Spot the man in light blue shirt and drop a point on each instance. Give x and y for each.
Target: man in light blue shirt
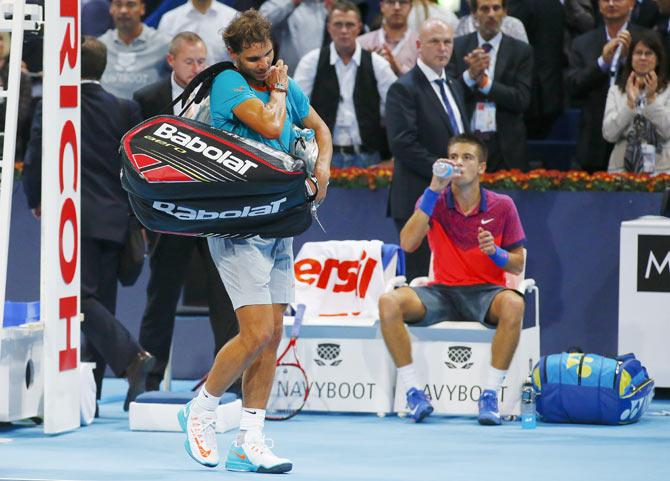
(259, 101)
(135, 52)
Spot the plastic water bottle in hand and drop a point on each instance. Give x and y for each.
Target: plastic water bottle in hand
(445, 170)
(528, 415)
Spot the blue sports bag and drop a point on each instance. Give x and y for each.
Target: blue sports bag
(592, 389)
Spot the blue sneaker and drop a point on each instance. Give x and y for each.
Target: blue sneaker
(418, 404)
(200, 432)
(488, 408)
(253, 454)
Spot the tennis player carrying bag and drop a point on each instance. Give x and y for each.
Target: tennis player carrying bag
(588, 388)
(186, 177)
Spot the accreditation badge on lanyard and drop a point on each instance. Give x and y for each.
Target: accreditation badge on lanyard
(485, 117)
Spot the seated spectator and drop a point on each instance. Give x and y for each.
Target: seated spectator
(637, 113)
(497, 71)
(206, 18)
(298, 26)
(592, 70)
(25, 100)
(470, 260)
(347, 87)
(510, 26)
(135, 52)
(394, 41)
(425, 9)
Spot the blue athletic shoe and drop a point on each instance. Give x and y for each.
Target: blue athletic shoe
(253, 454)
(488, 408)
(418, 404)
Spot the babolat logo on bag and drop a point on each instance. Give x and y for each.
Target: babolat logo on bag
(184, 213)
(593, 389)
(198, 145)
(653, 263)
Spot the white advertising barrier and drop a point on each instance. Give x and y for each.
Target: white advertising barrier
(348, 368)
(61, 183)
(644, 294)
(340, 347)
(21, 372)
(452, 358)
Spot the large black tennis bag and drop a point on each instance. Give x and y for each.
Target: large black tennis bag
(186, 177)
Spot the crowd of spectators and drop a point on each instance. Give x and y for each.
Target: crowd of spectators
(574, 61)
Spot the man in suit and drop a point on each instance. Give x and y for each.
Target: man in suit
(104, 220)
(593, 68)
(544, 21)
(424, 109)
(170, 254)
(497, 72)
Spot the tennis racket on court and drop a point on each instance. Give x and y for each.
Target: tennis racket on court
(290, 386)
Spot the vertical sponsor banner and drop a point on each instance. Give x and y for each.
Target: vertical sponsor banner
(60, 250)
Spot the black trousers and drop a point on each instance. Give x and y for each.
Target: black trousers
(417, 264)
(169, 261)
(108, 342)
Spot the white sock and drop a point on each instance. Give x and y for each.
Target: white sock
(252, 421)
(407, 377)
(205, 401)
(494, 379)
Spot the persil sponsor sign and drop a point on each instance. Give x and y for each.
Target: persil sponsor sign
(340, 279)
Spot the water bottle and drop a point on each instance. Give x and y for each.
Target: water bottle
(528, 416)
(445, 170)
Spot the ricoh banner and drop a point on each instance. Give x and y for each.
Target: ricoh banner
(60, 269)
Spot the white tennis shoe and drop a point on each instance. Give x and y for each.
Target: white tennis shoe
(254, 454)
(200, 432)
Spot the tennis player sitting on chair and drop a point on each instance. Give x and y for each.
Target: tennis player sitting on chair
(475, 236)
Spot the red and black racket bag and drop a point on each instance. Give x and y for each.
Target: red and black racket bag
(185, 177)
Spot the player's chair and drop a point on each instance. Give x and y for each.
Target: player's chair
(340, 344)
(453, 358)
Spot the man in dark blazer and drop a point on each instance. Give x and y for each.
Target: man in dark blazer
(497, 72)
(424, 109)
(171, 255)
(544, 21)
(104, 220)
(590, 74)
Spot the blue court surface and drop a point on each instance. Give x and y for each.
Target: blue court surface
(351, 447)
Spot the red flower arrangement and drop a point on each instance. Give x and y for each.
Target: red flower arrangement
(537, 180)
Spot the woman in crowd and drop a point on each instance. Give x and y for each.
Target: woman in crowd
(636, 114)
